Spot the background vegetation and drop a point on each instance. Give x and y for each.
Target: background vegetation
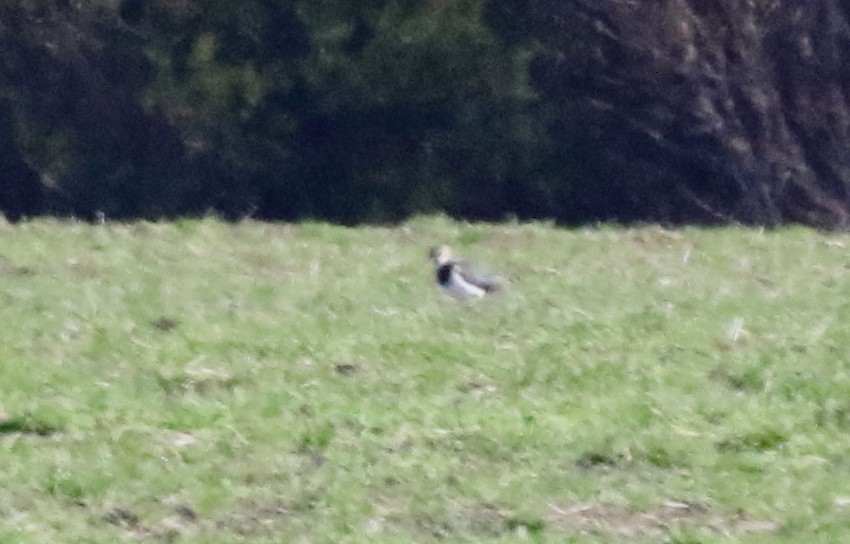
(678, 110)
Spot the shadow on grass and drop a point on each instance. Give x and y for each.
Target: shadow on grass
(761, 440)
(27, 424)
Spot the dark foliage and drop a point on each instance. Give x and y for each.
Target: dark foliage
(726, 109)
(581, 110)
(21, 191)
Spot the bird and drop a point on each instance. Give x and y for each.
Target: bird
(460, 278)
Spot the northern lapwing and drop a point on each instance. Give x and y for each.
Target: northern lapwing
(461, 279)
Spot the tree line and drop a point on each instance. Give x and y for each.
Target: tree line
(578, 110)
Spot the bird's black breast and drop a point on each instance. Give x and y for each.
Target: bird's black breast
(444, 272)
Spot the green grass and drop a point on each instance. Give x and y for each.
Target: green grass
(200, 381)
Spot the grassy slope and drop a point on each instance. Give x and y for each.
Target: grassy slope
(218, 383)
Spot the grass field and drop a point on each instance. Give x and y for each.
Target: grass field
(200, 381)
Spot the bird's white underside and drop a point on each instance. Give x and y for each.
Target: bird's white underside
(460, 288)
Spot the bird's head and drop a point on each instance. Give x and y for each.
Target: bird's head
(440, 255)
